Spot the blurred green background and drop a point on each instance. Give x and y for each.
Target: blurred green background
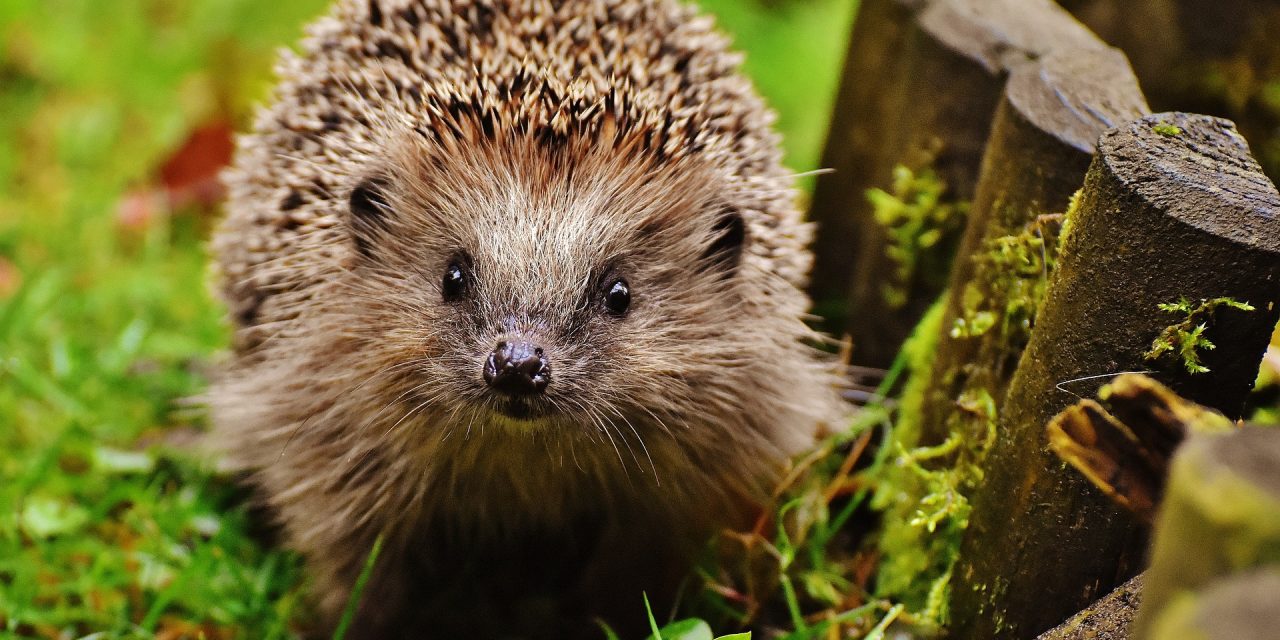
(113, 115)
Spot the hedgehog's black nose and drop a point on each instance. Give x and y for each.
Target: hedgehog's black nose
(517, 368)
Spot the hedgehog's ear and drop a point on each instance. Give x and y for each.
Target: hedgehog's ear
(369, 212)
(728, 237)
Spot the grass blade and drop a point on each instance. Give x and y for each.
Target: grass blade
(354, 600)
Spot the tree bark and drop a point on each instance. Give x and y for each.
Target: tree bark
(1173, 207)
(1041, 143)
(919, 90)
(1220, 516)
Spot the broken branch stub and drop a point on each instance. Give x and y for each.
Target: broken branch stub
(919, 91)
(1124, 444)
(1173, 210)
(1042, 140)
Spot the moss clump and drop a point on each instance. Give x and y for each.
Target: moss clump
(926, 513)
(1166, 129)
(1012, 273)
(917, 355)
(1186, 339)
(920, 224)
(923, 502)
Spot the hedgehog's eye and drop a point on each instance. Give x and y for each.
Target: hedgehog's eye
(617, 298)
(454, 283)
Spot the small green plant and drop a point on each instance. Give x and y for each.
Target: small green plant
(1015, 272)
(1186, 339)
(917, 219)
(353, 601)
(1166, 129)
(688, 629)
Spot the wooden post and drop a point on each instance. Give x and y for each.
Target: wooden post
(919, 90)
(1042, 140)
(1173, 207)
(1220, 516)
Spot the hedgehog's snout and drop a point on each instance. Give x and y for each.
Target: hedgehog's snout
(517, 369)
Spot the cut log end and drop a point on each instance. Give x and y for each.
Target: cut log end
(1075, 95)
(1198, 170)
(1002, 34)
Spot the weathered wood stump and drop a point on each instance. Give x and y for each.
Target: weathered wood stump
(1220, 516)
(1174, 212)
(1042, 140)
(919, 91)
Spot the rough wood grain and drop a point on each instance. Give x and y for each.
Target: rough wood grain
(1110, 618)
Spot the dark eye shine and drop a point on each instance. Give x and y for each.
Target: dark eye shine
(618, 298)
(454, 284)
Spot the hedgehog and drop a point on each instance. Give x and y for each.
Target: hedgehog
(517, 293)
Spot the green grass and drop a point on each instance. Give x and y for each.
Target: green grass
(105, 525)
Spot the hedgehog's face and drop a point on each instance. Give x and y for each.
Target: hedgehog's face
(545, 292)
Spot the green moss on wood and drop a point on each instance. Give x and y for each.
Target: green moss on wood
(1016, 271)
(917, 219)
(917, 541)
(922, 491)
(1185, 340)
(923, 494)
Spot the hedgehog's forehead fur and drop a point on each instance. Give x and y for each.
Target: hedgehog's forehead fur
(539, 224)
